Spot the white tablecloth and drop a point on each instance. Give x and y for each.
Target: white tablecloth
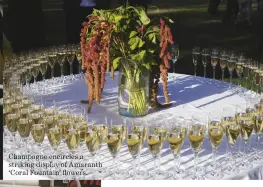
(193, 95)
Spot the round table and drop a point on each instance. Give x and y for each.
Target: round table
(188, 95)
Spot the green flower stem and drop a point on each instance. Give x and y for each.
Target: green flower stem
(137, 92)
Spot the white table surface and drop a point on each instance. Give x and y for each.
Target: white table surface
(193, 95)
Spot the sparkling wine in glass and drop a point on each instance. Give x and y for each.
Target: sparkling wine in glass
(196, 137)
(231, 64)
(196, 56)
(71, 55)
(206, 58)
(157, 134)
(215, 133)
(214, 60)
(174, 53)
(52, 58)
(176, 137)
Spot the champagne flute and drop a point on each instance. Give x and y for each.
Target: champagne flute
(257, 73)
(38, 134)
(196, 137)
(52, 61)
(205, 59)
(43, 70)
(232, 133)
(93, 142)
(120, 128)
(175, 54)
(71, 57)
(102, 130)
(35, 71)
(176, 138)
(258, 128)
(140, 127)
(239, 70)
(54, 138)
(79, 58)
(62, 58)
(12, 123)
(228, 118)
(134, 143)
(195, 56)
(231, 63)
(246, 122)
(28, 77)
(214, 61)
(156, 138)
(246, 66)
(216, 133)
(114, 142)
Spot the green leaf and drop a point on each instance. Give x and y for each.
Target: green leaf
(139, 57)
(142, 14)
(116, 62)
(117, 18)
(141, 43)
(151, 51)
(171, 21)
(147, 66)
(132, 34)
(154, 39)
(134, 42)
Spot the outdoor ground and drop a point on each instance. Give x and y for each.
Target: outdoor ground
(195, 27)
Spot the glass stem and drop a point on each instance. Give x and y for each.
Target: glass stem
(177, 162)
(245, 153)
(14, 139)
(79, 66)
(52, 72)
(195, 163)
(257, 148)
(134, 166)
(214, 159)
(35, 80)
(223, 74)
(204, 71)
(61, 72)
(158, 162)
(195, 70)
(26, 147)
(233, 163)
(214, 73)
(230, 80)
(71, 69)
(239, 82)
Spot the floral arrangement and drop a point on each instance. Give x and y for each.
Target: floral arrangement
(126, 38)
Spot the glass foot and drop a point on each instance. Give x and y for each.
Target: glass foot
(102, 173)
(200, 170)
(159, 174)
(195, 177)
(245, 166)
(231, 170)
(178, 174)
(215, 175)
(210, 166)
(120, 174)
(139, 175)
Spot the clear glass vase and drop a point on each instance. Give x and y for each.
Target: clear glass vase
(133, 96)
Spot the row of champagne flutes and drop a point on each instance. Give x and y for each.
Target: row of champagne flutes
(30, 64)
(60, 124)
(245, 67)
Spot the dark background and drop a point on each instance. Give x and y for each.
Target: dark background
(37, 23)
